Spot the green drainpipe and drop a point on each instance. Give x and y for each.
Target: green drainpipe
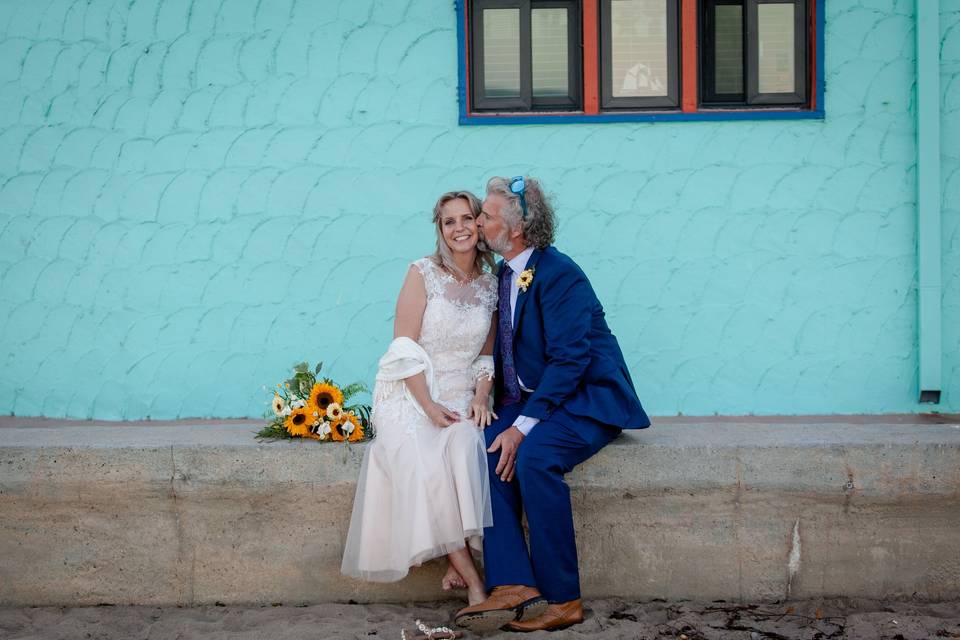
(928, 198)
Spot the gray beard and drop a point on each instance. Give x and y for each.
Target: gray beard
(499, 244)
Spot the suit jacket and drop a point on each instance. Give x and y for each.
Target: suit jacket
(564, 351)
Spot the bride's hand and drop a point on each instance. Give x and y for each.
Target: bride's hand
(441, 416)
(480, 412)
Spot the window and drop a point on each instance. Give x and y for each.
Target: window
(639, 54)
(526, 61)
(526, 54)
(753, 52)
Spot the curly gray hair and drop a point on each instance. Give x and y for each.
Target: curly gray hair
(540, 225)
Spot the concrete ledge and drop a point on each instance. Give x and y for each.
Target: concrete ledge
(199, 512)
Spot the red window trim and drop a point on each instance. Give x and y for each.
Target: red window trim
(591, 57)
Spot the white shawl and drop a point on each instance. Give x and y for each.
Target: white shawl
(405, 358)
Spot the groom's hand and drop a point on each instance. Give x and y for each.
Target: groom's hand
(507, 442)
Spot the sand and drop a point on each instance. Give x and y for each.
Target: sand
(606, 620)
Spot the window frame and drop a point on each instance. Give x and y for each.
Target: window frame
(672, 100)
(526, 100)
(480, 101)
(574, 98)
(751, 98)
(690, 109)
(706, 74)
(801, 76)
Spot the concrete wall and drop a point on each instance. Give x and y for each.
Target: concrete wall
(200, 514)
(194, 195)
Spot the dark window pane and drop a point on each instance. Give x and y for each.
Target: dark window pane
(639, 48)
(501, 53)
(728, 49)
(776, 62)
(550, 54)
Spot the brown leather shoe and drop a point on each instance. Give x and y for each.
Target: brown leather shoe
(558, 615)
(509, 603)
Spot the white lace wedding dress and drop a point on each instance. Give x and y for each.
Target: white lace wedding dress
(423, 490)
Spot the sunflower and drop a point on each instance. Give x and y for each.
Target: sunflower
(336, 434)
(525, 279)
(322, 395)
(297, 423)
(334, 412)
(348, 428)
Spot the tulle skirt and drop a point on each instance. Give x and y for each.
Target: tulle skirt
(422, 493)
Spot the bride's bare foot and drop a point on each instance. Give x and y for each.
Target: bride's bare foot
(453, 580)
(476, 596)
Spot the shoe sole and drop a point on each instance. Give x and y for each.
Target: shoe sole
(559, 627)
(494, 619)
(533, 608)
(486, 620)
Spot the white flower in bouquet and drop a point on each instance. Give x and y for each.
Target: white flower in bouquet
(324, 430)
(334, 411)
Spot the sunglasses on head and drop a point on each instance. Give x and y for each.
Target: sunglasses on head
(518, 187)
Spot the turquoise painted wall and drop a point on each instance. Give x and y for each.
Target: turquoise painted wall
(196, 195)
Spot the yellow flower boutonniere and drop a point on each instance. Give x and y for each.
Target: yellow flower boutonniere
(525, 279)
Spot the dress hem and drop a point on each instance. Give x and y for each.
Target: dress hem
(475, 538)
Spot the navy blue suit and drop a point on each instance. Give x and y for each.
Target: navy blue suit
(582, 395)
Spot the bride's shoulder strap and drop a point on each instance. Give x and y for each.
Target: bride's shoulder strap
(428, 269)
(422, 264)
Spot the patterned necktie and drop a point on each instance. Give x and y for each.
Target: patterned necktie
(511, 386)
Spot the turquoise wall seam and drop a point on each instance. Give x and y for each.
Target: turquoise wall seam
(928, 199)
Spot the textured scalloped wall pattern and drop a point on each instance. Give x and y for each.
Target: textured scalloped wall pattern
(194, 195)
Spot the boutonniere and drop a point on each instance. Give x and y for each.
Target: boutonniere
(525, 279)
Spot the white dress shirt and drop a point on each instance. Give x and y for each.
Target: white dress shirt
(517, 265)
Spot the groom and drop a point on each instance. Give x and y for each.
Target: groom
(562, 393)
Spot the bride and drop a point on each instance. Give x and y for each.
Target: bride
(423, 489)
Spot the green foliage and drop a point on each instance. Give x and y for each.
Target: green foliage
(273, 431)
(353, 389)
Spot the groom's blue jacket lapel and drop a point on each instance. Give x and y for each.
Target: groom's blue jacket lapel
(523, 296)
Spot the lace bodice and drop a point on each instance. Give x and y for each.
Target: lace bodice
(455, 324)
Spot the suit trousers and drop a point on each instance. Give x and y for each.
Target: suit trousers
(538, 489)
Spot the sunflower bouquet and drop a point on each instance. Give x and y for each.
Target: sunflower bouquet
(307, 406)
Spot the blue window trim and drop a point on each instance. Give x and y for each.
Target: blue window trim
(668, 116)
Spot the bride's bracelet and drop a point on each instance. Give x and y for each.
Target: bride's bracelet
(483, 368)
(484, 374)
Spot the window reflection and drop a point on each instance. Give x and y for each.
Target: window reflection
(549, 49)
(501, 53)
(639, 48)
(775, 29)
